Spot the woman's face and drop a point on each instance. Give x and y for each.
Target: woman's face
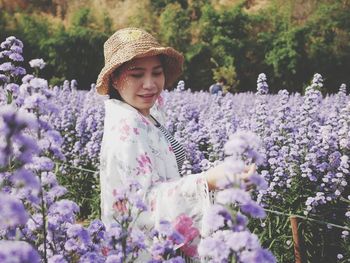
(140, 81)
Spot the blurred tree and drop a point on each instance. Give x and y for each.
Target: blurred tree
(328, 43)
(76, 53)
(225, 32)
(159, 5)
(144, 17)
(197, 71)
(174, 27)
(286, 55)
(82, 18)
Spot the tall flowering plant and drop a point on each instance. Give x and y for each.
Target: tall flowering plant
(228, 239)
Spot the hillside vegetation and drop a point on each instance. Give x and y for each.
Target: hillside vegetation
(288, 40)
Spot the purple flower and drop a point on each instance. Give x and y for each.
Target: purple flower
(138, 238)
(253, 209)
(118, 258)
(257, 256)
(317, 80)
(17, 48)
(57, 259)
(27, 78)
(42, 163)
(4, 78)
(16, 57)
(34, 101)
(6, 67)
(215, 246)
(25, 178)
(165, 228)
(213, 219)
(91, 257)
(233, 195)
(12, 212)
(244, 142)
(18, 71)
(38, 83)
(12, 87)
(66, 209)
(18, 251)
(79, 238)
(263, 87)
(175, 260)
(96, 226)
(238, 241)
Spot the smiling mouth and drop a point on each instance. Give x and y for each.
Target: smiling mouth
(147, 95)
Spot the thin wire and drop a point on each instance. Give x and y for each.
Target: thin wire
(78, 168)
(307, 218)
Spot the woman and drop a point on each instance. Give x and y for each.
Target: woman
(135, 145)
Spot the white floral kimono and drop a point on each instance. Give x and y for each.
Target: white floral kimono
(132, 147)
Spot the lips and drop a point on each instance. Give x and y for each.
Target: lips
(147, 95)
(147, 98)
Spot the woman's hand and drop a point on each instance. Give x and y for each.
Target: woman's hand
(218, 174)
(248, 171)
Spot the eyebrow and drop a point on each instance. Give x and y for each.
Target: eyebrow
(141, 68)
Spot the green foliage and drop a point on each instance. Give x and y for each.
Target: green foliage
(224, 31)
(159, 5)
(144, 18)
(65, 46)
(287, 40)
(60, 47)
(197, 72)
(174, 26)
(82, 18)
(83, 188)
(229, 73)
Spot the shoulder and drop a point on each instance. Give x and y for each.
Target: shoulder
(121, 117)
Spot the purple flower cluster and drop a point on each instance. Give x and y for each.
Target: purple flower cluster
(10, 59)
(227, 237)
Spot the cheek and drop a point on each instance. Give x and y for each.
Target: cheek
(162, 82)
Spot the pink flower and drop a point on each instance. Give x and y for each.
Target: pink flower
(144, 164)
(189, 250)
(105, 251)
(183, 224)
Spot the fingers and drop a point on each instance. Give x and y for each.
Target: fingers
(249, 171)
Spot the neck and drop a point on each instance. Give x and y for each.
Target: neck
(145, 113)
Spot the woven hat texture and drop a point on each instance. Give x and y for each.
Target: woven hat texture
(129, 43)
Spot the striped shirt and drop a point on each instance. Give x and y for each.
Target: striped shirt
(175, 145)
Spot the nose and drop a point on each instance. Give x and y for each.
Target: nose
(149, 82)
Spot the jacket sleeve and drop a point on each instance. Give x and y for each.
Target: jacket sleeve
(127, 153)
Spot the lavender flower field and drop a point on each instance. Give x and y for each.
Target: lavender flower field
(49, 144)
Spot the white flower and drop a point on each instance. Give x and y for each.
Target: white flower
(37, 63)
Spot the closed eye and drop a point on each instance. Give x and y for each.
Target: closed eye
(158, 73)
(138, 75)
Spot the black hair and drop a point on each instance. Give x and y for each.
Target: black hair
(223, 80)
(113, 93)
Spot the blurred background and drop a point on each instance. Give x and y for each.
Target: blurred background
(287, 40)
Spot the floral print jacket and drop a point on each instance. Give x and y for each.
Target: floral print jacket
(133, 148)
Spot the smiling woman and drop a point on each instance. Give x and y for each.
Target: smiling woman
(140, 82)
(136, 148)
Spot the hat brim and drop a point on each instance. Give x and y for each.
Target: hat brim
(173, 61)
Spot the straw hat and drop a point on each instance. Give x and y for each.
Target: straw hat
(129, 43)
